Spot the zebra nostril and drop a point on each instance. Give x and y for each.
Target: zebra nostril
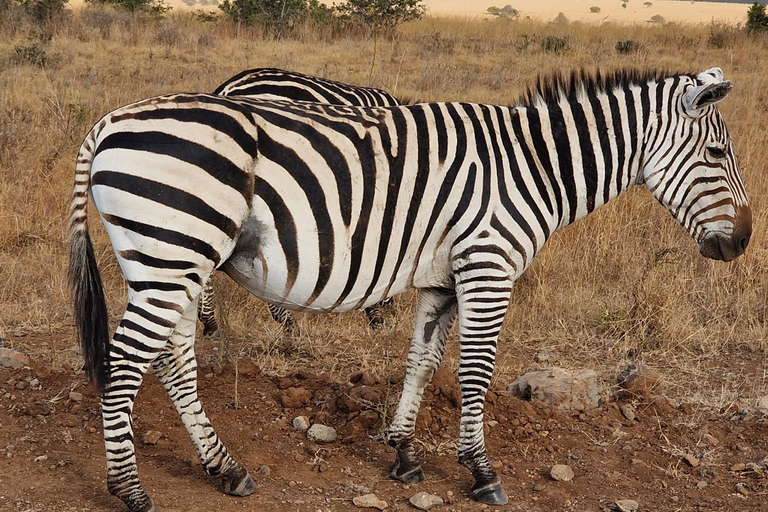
(744, 242)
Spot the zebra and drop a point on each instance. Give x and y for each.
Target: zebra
(277, 84)
(330, 208)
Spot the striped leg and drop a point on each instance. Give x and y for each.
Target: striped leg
(206, 312)
(282, 316)
(482, 305)
(373, 313)
(139, 338)
(176, 368)
(435, 314)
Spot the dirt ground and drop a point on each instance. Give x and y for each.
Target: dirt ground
(669, 457)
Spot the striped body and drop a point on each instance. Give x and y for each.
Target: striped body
(329, 208)
(278, 84)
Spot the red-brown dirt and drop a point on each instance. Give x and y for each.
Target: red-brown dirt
(670, 457)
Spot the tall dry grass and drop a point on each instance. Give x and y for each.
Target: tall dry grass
(624, 284)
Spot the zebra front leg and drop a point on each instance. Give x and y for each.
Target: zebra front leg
(435, 314)
(176, 367)
(482, 306)
(206, 312)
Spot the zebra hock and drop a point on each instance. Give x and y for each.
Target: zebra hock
(327, 208)
(279, 84)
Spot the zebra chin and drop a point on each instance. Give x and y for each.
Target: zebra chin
(720, 246)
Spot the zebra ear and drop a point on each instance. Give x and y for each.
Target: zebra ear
(711, 89)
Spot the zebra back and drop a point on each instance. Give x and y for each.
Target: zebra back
(271, 83)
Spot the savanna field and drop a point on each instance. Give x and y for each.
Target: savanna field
(625, 285)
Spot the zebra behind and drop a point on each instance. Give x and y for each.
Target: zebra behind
(329, 208)
(279, 84)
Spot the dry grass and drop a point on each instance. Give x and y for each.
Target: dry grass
(624, 284)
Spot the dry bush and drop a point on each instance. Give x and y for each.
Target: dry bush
(625, 283)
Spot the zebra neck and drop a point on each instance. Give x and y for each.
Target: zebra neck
(581, 154)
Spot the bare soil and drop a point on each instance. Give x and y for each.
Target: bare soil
(670, 457)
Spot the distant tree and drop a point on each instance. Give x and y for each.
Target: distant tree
(43, 12)
(757, 19)
(506, 12)
(595, 9)
(277, 16)
(381, 16)
(156, 7)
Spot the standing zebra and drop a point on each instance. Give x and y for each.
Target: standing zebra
(279, 84)
(327, 208)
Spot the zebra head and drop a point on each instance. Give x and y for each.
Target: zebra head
(690, 166)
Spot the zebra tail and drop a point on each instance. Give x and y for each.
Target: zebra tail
(91, 318)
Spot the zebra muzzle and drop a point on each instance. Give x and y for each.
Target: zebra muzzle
(720, 246)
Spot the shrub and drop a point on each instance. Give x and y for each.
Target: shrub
(627, 47)
(35, 53)
(595, 9)
(155, 7)
(560, 18)
(657, 18)
(757, 19)
(44, 12)
(506, 12)
(721, 35)
(381, 15)
(555, 44)
(277, 16)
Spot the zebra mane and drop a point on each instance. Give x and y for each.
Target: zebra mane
(559, 86)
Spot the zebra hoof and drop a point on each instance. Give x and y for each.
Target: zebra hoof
(212, 335)
(412, 476)
(236, 483)
(491, 494)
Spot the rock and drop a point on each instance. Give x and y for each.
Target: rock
(742, 489)
(568, 390)
(364, 378)
(265, 470)
(639, 379)
(691, 460)
(739, 466)
(628, 411)
(539, 487)
(41, 458)
(152, 437)
(22, 384)
(76, 396)
(13, 358)
(301, 423)
(561, 473)
(425, 501)
(369, 501)
(37, 409)
(627, 505)
(295, 397)
(709, 440)
(318, 433)
(701, 484)
(247, 368)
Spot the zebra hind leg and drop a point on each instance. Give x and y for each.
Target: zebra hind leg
(282, 316)
(373, 313)
(176, 367)
(435, 314)
(206, 313)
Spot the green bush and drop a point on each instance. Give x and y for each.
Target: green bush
(155, 7)
(381, 15)
(44, 12)
(757, 19)
(277, 16)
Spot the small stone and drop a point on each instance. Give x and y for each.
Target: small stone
(568, 390)
(369, 501)
(75, 396)
(709, 440)
(318, 433)
(21, 385)
(701, 484)
(13, 358)
(539, 487)
(497, 465)
(425, 501)
(638, 379)
(691, 460)
(38, 409)
(628, 412)
(152, 437)
(627, 505)
(265, 470)
(742, 489)
(41, 458)
(301, 423)
(561, 473)
(247, 368)
(739, 466)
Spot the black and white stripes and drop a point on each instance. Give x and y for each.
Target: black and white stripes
(328, 208)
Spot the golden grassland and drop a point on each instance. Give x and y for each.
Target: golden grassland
(624, 284)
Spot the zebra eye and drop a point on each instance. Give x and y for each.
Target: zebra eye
(715, 152)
